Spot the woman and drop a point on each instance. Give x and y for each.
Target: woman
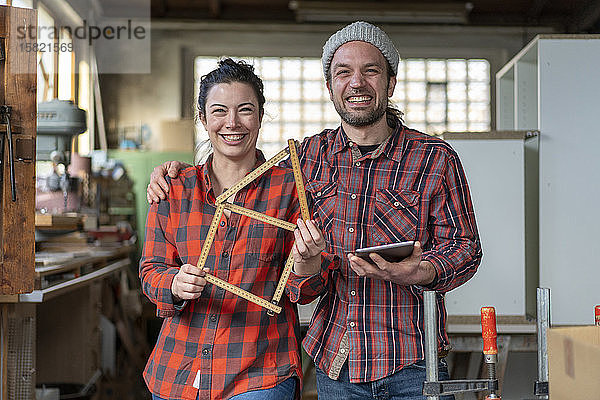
(214, 344)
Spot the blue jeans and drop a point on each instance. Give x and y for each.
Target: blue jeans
(284, 391)
(406, 384)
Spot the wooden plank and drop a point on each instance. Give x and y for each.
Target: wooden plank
(57, 221)
(18, 80)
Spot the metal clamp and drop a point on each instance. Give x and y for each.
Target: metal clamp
(459, 386)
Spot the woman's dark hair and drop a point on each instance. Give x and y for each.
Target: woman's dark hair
(230, 71)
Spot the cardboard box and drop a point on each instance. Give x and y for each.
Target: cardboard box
(175, 135)
(574, 363)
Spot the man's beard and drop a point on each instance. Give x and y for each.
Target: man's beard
(358, 119)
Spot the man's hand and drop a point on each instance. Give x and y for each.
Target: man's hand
(307, 248)
(188, 283)
(410, 271)
(158, 188)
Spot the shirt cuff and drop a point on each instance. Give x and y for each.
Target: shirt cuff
(165, 305)
(440, 270)
(301, 285)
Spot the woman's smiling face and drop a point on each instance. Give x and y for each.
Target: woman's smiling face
(232, 119)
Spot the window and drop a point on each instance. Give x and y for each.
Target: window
(45, 70)
(66, 61)
(436, 95)
(439, 95)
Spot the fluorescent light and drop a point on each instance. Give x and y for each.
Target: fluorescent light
(422, 13)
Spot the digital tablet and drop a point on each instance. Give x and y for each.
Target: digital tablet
(392, 252)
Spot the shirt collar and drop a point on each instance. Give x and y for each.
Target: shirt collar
(392, 147)
(205, 176)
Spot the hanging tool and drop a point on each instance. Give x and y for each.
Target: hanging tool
(433, 388)
(5, 116)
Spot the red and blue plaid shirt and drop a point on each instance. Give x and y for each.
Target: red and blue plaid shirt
(412, 187)
(233, 343)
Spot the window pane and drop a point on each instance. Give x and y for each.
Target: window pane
(478, 112)
(436, 71)
(292, 130)
(457, 70)
(436, 112)
(415, 91)
(65, 69)
(399, 92)
(313, 70)
(457, 91)
(436, 92)
(291, 68)
(290, 111)
(479, 70)
(271, 68)
(479, 92)
(291, 90)
(272, 90)
(312, 90)
(313, 112)
(270, 132)
(457, 112)
(415, 70)
(415, 112)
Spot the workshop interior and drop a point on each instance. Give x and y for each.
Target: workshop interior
(94, 94)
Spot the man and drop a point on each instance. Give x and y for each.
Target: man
(374, 181)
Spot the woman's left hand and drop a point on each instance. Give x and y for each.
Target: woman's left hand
(307, 248)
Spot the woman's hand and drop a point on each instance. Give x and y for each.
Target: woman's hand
(307, 248)
(188, 283)
(158, 188)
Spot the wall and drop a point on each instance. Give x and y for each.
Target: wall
(166, 93)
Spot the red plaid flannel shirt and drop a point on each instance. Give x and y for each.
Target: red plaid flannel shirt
(234, 344)
(412, 187)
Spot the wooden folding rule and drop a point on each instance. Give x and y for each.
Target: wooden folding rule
(222, 205)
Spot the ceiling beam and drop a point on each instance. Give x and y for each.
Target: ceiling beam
(536, 9)
(214, 8)
(586, 17)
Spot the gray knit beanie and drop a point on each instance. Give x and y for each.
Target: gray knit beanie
(364, 32)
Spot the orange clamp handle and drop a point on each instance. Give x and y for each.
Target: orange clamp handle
(597, 313)
(488, 330)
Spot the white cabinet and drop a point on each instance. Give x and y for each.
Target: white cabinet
(501, 169)
(553, 85)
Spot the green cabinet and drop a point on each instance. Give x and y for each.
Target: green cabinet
(139, 165)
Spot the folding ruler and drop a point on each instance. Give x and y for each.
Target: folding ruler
(222, 205)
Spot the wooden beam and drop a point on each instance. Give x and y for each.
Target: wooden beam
(214, 8)
(585, 17)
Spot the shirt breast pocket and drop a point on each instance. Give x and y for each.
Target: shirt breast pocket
(396, 215)
(323, 195)
(264, 241)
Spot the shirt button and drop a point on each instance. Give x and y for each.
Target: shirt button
(357, 164)
(352, 324)
(318, 194)
(350, 230)
(213, 318)
(396, 203)
(353, 196)
(205, 351)
(353, 293)
(342, 351)
(225, 254)
(222, 223)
